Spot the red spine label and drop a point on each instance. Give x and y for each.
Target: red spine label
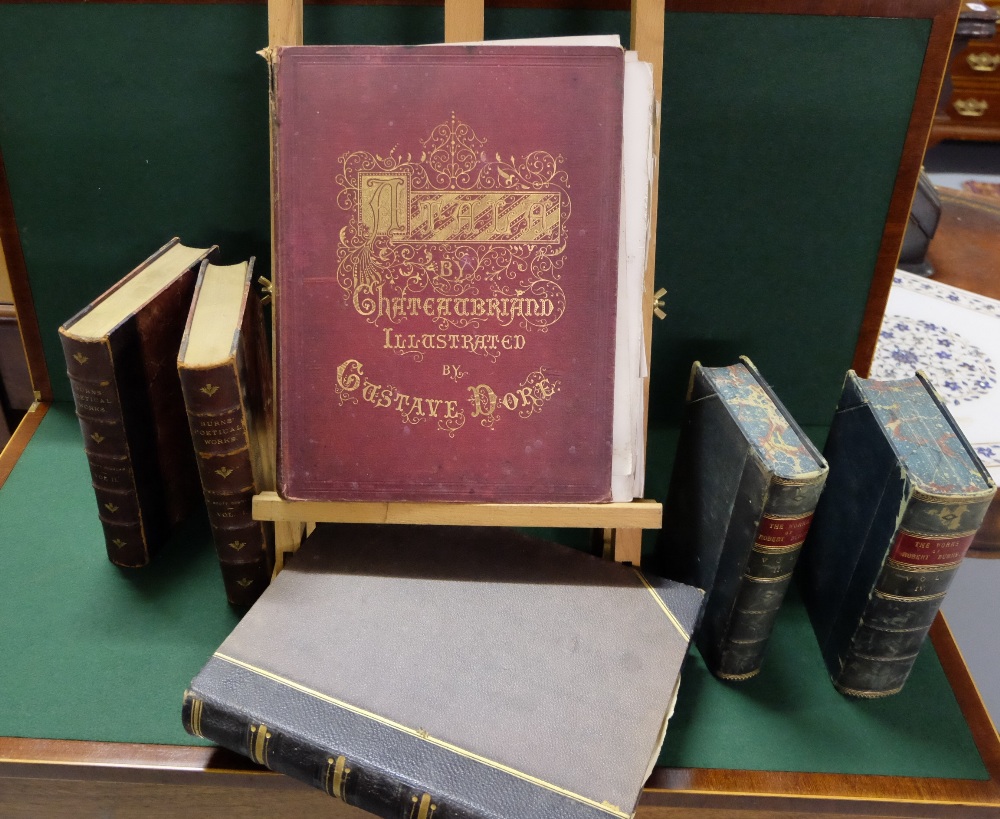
(921, 550)
(780, 533)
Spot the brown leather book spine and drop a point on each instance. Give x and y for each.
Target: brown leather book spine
(131, 529)
(221, 431)
(128, 398)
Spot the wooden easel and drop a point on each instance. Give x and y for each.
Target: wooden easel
(622, 523)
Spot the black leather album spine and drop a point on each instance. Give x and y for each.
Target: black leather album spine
(780, 531)
(363, 759)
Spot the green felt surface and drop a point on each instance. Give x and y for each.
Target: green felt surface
(774, 721)
(790, 717)
(94, 652)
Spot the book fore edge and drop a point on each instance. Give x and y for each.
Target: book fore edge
(606, 807)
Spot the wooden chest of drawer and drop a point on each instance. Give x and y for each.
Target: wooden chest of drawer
(977, 105)
(979, 61)
(970, 97)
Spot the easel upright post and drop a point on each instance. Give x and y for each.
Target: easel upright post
(284, 23)
(647, 41)
(463, 21)
(284, 27)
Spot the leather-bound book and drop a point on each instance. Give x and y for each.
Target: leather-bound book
(452, 672)
(905, 497)
(120, 354)
(447, 227)
(225, 370)
(742, 494)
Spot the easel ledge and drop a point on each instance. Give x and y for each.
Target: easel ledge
(637, 514)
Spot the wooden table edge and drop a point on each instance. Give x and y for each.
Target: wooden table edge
(20, 438)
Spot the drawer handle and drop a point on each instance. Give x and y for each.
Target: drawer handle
(983, 61)
(971, 107)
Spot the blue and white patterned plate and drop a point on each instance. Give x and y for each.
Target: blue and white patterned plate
(959, 370)
(953, 336)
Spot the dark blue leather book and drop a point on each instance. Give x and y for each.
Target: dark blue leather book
(905, 497)
(744, 486)
(451, 672)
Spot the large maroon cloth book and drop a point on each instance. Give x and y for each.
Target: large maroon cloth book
(446, 227)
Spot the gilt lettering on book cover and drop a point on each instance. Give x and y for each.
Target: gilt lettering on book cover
(446, 225)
